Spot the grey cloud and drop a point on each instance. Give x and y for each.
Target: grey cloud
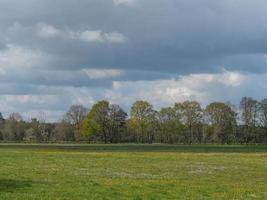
(178, 35)
(32, 81)
(155, 40)
(2, 46)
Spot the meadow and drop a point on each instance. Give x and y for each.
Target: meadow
(136, 172)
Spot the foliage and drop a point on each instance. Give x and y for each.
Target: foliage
(143, 120)
(223, 119)
(105, 122)
(191, 115)
(183, 123)
(96, 120)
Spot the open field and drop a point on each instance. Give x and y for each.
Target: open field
(132, 172)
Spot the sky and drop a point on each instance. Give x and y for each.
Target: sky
(56, 53)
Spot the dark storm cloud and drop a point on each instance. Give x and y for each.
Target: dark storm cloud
(181, 36)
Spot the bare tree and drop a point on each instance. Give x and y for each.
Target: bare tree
(75, 116)
(263, 112)
(63, 132)
(14, 127)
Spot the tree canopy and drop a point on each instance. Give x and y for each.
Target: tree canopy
(184, 123)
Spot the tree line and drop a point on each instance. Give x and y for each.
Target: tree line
(183, 123)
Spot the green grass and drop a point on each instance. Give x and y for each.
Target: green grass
(132, 172)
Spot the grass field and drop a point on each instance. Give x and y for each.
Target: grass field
(132, 172)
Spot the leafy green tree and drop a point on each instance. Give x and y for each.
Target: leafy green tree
(191, 115)
(96, 122)
(263, 121)
(142, 118)
(170, 126)
(249, 108)
(249, 113)
(117, 123)
(2, 125)
(223, 119)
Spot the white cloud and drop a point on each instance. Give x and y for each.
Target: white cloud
(233, 79)
(90, 36)
(205, 88)
(52, 106)
(49, 31)
(30, 105)
(18, 58)
(118, 2)
(103, 73)
(114, 37)
(226, 78)
(99, 36)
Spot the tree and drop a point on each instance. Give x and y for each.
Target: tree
(263, 120)
(14, 129)
(153, 127)
(2, 125)
(34, 132)
(249, 108)
(63, 131)
(170, 125)
(96, 121)
(117, 123)
(43, 127)
(223, 120)
(16, 117)
(76, 114)
(2, 119)
(74, 117)
(263, 112)
(191, 115)
(185, 122)
(142, 116)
